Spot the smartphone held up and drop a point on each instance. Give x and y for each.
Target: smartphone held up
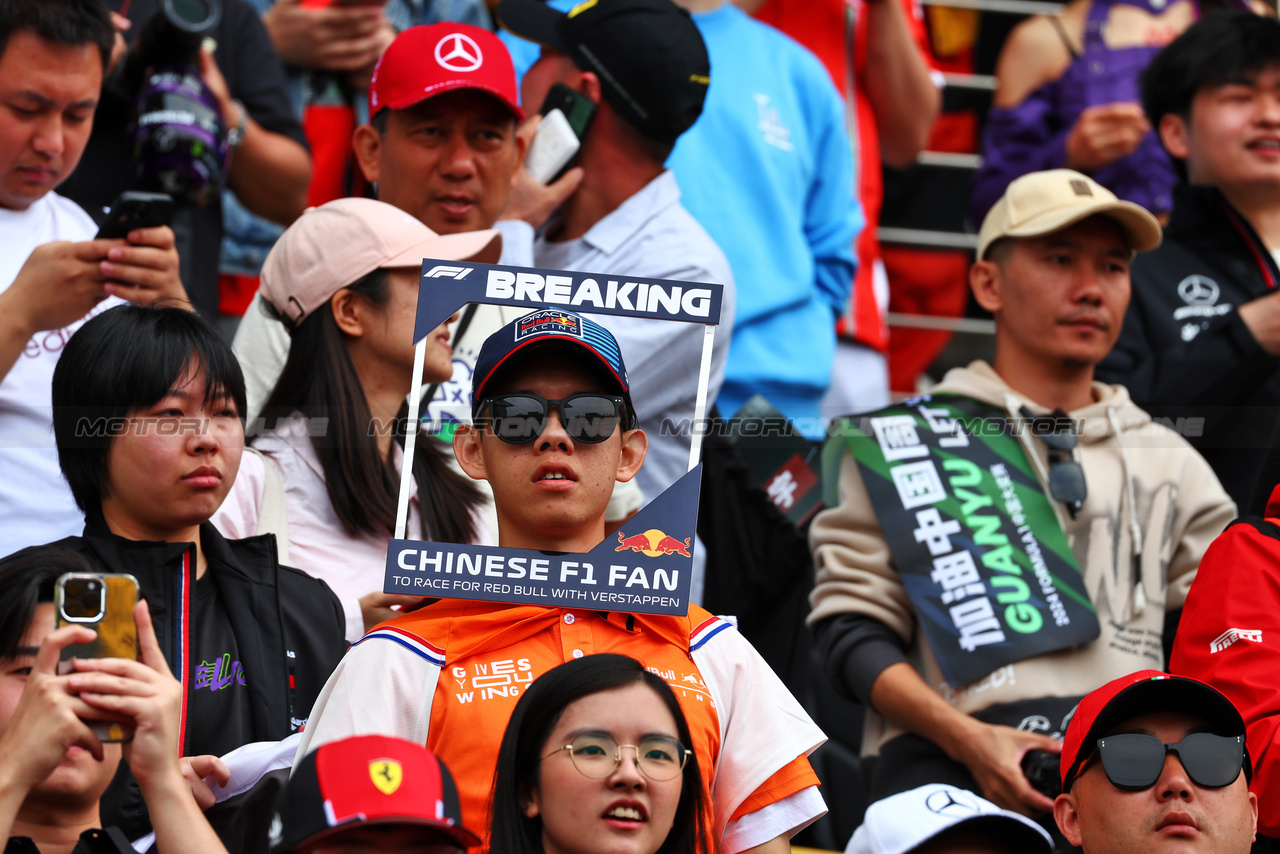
(566, 116)
(132, 210)
(102, 602)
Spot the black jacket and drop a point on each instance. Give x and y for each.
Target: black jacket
(1185, 354)
(106, 841)
(289, 629)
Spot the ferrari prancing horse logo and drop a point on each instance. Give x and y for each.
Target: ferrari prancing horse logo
(386, 774)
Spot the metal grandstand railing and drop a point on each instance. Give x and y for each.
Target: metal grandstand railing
(969, 162)
(930, 239)
(982, 82)
(1024, 8)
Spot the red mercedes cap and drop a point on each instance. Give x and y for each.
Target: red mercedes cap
(1138, 694)
(367, 779)
(430, 60)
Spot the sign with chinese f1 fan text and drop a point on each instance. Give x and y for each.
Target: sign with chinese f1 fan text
(647, 565)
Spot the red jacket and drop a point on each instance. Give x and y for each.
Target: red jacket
(1229, 636)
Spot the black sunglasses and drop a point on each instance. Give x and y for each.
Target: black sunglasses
(1133, 761)
(1066, 475)
(587, 418)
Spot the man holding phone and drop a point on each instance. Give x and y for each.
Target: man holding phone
(53, 274)
(644, 66)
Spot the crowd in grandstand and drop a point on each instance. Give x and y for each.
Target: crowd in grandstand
(321, 320)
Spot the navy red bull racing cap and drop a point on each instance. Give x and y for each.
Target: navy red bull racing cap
(546, 327)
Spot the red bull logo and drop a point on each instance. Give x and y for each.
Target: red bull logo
(653, 543)
(547, 322)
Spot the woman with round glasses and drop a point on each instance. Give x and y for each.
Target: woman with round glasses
(344, 280)
(594, 761)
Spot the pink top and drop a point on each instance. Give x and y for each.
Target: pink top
(318, 545)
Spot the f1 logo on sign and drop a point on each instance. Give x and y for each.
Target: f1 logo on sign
(441, 271)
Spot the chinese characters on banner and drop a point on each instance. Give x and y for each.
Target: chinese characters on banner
(972, 534)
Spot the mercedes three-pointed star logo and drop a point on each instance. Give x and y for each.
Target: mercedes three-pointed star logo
(1198, 290)
(458, 52)
(950, 802)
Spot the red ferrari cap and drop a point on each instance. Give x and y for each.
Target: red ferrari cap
(430, 60)
(1138, 694)
(367, 779)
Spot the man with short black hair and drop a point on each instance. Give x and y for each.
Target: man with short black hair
(1153, 762)
(53, 274)
(1138, 507)
(644, 65)
(1201, 339)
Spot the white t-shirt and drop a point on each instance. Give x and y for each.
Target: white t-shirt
(351, 565)
(35, 503)
(262, 344)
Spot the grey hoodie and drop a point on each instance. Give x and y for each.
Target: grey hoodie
(1149, 493)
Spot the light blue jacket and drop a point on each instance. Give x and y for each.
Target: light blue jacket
(768, 172)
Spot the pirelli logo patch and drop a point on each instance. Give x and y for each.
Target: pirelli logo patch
(1230, 636)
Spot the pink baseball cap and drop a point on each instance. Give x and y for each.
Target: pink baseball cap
(336, 244)
(426, 61)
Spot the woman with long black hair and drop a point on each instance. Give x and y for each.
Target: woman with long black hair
(344, 280)
(595, 761)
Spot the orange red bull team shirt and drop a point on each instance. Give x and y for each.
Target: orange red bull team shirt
(449, 676)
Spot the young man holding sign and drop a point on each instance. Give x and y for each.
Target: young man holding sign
(555, 429)
(948, 598)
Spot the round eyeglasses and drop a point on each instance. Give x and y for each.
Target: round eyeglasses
(597, 755)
